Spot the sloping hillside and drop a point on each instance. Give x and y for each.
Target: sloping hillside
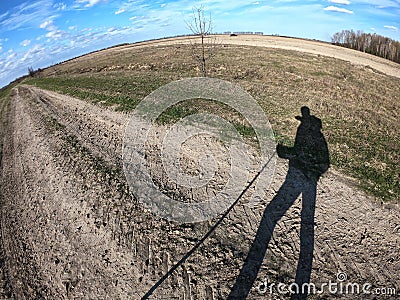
(71, 229)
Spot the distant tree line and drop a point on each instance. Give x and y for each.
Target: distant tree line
(370, 43)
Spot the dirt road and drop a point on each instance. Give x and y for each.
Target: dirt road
(71, 230)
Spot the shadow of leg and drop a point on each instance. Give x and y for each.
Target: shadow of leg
(278, 206)
(304, 265)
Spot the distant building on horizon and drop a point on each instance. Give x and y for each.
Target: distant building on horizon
(243, 32)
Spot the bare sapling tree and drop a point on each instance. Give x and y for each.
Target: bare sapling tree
(31, 71)
(201, 26)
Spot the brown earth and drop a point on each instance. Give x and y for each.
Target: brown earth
(71, 230)
(307, 46)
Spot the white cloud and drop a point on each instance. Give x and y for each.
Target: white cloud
(117, 31)
(28, 54)
(120, 11)
(11, 55)
(338, 9)
(126, 6)
(60, 6)
(26, 14)
(86, 37)
(90, 3)
(391, 27)
(25, 43)
(344, 2)
(10, 62)
(54, 34)
(45, 24)
(2, 16)
(258, 9)
(48, 25)
(142, 21)
(379, 3)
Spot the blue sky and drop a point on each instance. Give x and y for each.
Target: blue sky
(43, 32)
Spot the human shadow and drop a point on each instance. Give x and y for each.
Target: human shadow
(308, 160)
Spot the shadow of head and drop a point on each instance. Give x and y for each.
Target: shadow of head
(305, 113)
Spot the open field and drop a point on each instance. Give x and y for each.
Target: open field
(306, 46)
(71, 229)
(358, 105)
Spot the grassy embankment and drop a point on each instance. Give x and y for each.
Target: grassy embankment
(5, 94)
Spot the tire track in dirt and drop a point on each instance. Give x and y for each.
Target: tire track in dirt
(56, 250)
(70, 228)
